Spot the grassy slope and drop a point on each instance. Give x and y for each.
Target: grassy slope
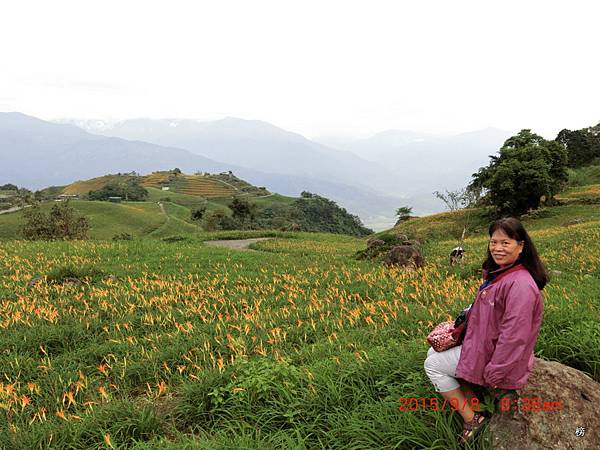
(106, 219)
(348, 335)
(82, 187)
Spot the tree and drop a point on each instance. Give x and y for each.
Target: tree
(316, 213)
(403, 214)
(583, 146)
(218, 219)
(196, 214)
(60, 224)
(130, 190)
(242, 210)
(527, 168)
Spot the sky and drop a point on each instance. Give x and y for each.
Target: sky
(319, 68)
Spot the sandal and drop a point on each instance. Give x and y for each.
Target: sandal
(472, 428)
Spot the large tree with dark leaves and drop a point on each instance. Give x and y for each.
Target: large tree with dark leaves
(583, 146)
(527, 168)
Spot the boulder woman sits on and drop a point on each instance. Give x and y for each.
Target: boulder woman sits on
(503, 327)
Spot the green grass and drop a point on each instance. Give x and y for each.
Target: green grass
(155, 195)
(171, 345)
(584, 175)
(106, 219)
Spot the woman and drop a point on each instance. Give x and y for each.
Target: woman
(503, 326)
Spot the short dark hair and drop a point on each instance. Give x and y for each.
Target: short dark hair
(529, 257)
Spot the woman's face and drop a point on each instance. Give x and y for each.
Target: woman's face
(504, 250)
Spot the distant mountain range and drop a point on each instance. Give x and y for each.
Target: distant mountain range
(427, 162)
(369, 177)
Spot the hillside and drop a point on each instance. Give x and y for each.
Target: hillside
(182, 205)
(183, 345)
(199, 185)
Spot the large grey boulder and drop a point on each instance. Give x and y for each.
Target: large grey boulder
(576, 425)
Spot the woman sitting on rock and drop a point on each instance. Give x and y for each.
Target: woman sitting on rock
(502, 328)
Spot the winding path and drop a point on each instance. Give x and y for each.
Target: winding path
(14, 209)
(236, 244)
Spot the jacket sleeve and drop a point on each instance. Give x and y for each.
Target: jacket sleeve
(514, 332)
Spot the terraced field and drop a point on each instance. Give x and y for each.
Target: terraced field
(82, 187)
(195, 185)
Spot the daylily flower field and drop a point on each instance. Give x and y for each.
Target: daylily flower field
(295, 345)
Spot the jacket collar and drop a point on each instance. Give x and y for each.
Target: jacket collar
(495, 275)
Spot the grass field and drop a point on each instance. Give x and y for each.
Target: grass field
(106, 219)
(175, 345)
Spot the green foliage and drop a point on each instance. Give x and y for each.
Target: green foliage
(584, 175)
(175, 239)
(217, 219)
(61, 223)
(70, 271)
(527, 169)
(197, 213)
(320, 214)
(308, 213)
(322, 369)
(130, 190)
(243, 214)
(9, 187)
(403, 213)
(122, 237)
(583, 146)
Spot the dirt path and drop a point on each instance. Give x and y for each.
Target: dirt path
(236, 244)
(14, 209)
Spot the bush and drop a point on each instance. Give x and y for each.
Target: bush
(197, 213)
(122, 237)
(60, 274)
(130, 190)
(60, 224)
(174, 239)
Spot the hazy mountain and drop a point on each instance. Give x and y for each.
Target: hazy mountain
(258, 145)
(425, 163)
(368, 148)
(36, 154)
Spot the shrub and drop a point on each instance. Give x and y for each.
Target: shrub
(174, 239)
(60, 224)
(122, 237)
(64, 273)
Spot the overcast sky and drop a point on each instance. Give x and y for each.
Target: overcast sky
(314, 67)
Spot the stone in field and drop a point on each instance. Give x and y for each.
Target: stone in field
(576, 425)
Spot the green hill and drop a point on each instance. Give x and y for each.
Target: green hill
(178, 345)
(106, 219)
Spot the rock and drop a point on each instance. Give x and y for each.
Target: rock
(401, 237)
(405, 256)
(374, 242)
(577, 394)
(555, 272)
(36, 280)
(574, 221)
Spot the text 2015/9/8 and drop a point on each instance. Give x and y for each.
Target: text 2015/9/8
(436, 404)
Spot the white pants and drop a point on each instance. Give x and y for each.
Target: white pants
(441, 367)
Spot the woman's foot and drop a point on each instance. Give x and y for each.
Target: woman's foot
(470, 429)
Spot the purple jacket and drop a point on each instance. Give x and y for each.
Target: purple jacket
(503, 326)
